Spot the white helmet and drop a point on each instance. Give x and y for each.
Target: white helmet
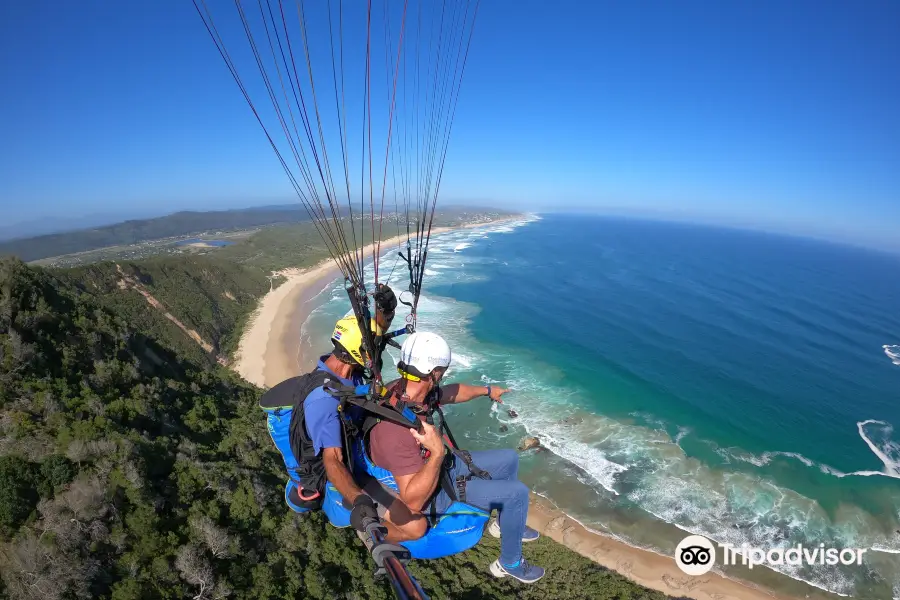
(422, 353)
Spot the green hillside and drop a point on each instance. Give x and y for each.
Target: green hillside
(206, 295)
(128, 471)
(142, 238)
(131, 232)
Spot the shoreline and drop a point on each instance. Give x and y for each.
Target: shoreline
(269, 350)
(272, 349)
(250, 357)
(644, 567)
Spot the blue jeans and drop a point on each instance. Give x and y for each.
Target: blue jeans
(503, 492)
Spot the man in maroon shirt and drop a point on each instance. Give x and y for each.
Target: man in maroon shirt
(416, 459)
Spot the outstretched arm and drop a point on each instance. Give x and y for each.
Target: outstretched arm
(456, 393)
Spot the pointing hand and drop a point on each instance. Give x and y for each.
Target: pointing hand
(496, 393)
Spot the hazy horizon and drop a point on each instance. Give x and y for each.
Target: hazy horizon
(108, 219)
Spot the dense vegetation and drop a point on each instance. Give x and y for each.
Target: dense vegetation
(276, 248)
(301, 245)
(210, 296)
(211, 292)
(128, 470)
(131, 232)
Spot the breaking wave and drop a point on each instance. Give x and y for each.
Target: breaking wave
(893, 352)
(881, 444)
(876, 435)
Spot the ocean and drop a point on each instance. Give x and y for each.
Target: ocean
(739, 385)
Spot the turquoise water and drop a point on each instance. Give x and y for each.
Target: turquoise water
(738, 385)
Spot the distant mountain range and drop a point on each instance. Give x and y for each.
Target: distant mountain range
(139, 230)
(76, 237)
(47, 225)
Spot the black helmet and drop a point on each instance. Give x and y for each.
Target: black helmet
(385, 301)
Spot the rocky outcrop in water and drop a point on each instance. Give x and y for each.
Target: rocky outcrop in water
(528, 443)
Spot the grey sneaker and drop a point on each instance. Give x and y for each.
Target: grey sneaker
(529, 536)
(524, 572)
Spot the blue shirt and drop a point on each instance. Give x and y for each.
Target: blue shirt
(321, 411)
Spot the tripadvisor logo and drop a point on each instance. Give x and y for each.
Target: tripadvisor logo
(696, 555)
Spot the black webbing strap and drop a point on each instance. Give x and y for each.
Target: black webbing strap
(455, 490)
(388, 413)
(474, 469)
(463, 455)
(461, 488)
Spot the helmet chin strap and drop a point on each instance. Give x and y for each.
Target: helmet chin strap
(345, 357)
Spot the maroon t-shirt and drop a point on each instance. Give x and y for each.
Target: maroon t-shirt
(393, 447)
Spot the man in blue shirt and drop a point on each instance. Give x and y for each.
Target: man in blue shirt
(323, 424)
(324, 428)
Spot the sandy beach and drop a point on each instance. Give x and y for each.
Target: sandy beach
(261, 357)
(647, 568)
(271, 350)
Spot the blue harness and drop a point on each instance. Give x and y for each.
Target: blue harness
(455, 530)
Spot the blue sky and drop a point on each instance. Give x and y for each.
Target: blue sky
(764, 114)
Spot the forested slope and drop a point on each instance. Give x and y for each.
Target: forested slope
(207, 295)
(128, 471)
(134, 231)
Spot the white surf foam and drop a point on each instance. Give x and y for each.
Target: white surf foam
(888, 451)
(511, 226)
(462, 246)
(737, 508)
(587, 456)
(463, 360)
(734, 508)
(583, 444)
(763, 459)
(893, 352)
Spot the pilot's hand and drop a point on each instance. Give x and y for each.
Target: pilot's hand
(430, 439)
(364, 511)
